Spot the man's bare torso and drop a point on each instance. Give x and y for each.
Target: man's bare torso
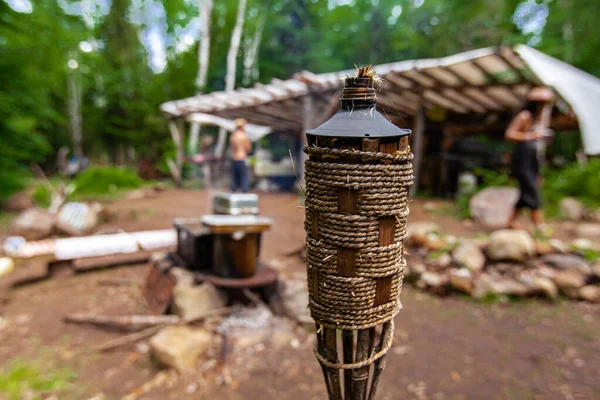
(240, 145)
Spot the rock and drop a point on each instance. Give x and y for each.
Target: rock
(416, 269)
(435, 242)
(595, 268)
(482, 286)
(18, 202)
(7, 264)
(180, 347)
(571, 208)
(493, 207)
(432, 280)
(480, 241)
(416, 232)
(34, 224)
(588, 230)
(593, 215)
(537, 284)
(508, 286)
(590, 293)
(582, 244)
(468, 255)
(183, 277)
(441, 261)
(567, 261)
(566, 281)
(78, 219)
(558, 246)
(193, 301)
(513, 245)
(461, 280)
(543, 248)
(294, 296)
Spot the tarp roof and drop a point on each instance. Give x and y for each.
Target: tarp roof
(476, 82)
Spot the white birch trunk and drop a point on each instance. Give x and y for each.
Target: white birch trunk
(75, 113)
(234, 47)
(205, 8)
(251, 47)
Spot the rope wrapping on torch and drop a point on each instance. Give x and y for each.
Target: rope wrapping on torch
(349, 302)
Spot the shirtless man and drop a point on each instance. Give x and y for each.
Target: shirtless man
(240, 147)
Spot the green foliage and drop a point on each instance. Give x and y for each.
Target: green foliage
(42, 196)
(98, 181)
(575, 180)
(21, 379)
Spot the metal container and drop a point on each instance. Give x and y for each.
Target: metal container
(235, 203)
(236, 243)
(195, 244)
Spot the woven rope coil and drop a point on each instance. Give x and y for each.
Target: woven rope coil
(349, 302)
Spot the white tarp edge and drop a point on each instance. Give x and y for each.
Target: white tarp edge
(578, 88)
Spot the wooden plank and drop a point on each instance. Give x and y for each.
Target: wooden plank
(418, 132)
(346, 262)
(331, 351)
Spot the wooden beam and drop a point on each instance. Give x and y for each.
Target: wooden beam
(491, 77)
(418, 133)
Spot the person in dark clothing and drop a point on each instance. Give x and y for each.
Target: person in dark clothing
(240, 147)
(527, 130)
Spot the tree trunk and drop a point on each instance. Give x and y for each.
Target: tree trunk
(205, 9)
(75, 112)
(251, 47)
(234, 47)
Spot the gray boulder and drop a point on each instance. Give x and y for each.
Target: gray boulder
(493, 206)
(190, 302)
(571, 208)
(469, 255)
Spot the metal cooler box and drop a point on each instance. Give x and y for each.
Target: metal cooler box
(235, 203)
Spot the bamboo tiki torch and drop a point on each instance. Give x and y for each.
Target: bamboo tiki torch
(357, 179)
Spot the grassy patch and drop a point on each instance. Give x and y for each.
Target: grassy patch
(34, 379)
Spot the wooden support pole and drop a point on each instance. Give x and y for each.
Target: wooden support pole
(418, 132)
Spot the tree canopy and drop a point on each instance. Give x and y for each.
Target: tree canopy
(128, 56)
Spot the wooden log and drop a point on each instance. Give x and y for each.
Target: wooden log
(129, 338)
(132, 322)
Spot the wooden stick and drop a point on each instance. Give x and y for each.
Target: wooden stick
(321, 348)
(380, 363)
(348, 353)
(130, 338)
(137, 321)
(330, 336)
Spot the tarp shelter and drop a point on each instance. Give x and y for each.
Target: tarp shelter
(471, 92)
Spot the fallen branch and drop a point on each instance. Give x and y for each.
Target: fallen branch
(132, 322)
(130, 338)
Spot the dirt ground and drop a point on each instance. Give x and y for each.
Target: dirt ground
(444, 348)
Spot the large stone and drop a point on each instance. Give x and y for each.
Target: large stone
(34, 224)
(590, 293)
(571, 208)
(537, 284)
(588, 230)
(461, 280)
(294, 296)
(416, 232)
(493, 207)
(558, 246)
(191, 302)
(568, 281)
(432, 280)
(488, 284)
(468, 255)
(511, 245)
(78, 219)
(183, 277)
(435, 242)
(566, 261)
(180, 347)
(18, 202)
